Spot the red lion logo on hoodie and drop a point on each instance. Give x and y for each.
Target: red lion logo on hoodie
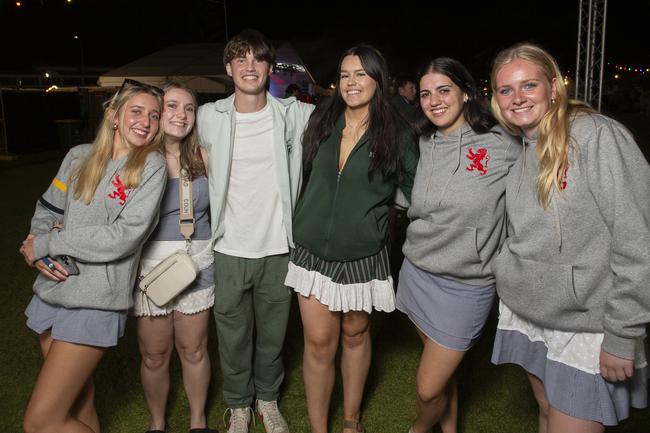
(479, 160)
(120, 190)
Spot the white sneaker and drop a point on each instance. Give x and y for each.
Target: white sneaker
(240, 419)
(271, 417)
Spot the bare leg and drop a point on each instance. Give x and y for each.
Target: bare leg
(449, 420)
(155, 338)
(84, 407)
(538, 391)
(62, 378)
(437, 365)
(355, 361)
(191, 336)
(559, 422)
(321, 333)
(552, 420)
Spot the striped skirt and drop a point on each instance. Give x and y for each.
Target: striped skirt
(357, 285)
(568, 365)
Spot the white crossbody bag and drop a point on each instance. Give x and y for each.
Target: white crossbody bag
(175, 273)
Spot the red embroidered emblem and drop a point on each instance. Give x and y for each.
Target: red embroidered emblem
(563, 182)
(479, 160)
(120, 190)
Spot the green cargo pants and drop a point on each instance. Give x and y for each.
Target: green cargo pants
(251, 309)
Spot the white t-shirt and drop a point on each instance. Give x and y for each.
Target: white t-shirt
(253, 214)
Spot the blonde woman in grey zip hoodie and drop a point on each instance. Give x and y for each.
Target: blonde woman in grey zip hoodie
(99, 210)
(574, 271)
(457, 213)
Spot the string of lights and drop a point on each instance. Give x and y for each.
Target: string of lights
(21, 3)
(623, 68)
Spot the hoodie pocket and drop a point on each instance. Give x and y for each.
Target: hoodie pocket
(545, 291)
(367, 233)
(443, 249)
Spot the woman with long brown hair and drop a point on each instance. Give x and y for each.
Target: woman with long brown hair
(183, 322)
(357, 151)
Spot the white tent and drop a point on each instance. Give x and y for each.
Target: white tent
(200, 66)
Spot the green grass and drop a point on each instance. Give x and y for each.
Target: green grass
(492, 399)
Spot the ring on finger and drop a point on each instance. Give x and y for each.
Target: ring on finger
(50, 266)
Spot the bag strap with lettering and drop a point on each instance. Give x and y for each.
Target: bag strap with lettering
(186, 218)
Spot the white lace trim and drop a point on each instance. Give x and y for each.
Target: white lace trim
(579, 350)
(190, 302)
(377, 294)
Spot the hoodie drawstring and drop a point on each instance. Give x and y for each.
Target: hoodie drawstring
(554, 205)
(458, 147)
(558, 225)
(523, 167)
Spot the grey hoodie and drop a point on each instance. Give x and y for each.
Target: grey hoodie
(458, 203)
(105, 237)
(583, 264)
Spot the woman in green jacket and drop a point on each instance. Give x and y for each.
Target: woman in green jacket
(357, 151)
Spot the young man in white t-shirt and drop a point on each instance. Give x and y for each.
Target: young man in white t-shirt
(255, 158)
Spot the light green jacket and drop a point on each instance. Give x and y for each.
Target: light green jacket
(216, 127)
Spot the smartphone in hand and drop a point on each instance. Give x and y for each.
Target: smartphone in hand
(69, 264)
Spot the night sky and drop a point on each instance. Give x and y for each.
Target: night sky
(115, 32)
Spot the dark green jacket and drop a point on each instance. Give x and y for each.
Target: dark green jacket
(343, 217)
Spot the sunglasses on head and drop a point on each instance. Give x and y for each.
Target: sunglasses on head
(128, 83)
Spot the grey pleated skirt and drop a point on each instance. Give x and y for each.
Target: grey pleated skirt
(86, 326)
(576, 389)
(450, 313)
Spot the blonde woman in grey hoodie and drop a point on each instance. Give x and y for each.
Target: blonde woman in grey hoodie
(446, 284)
(573, 273)
(98, 211)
